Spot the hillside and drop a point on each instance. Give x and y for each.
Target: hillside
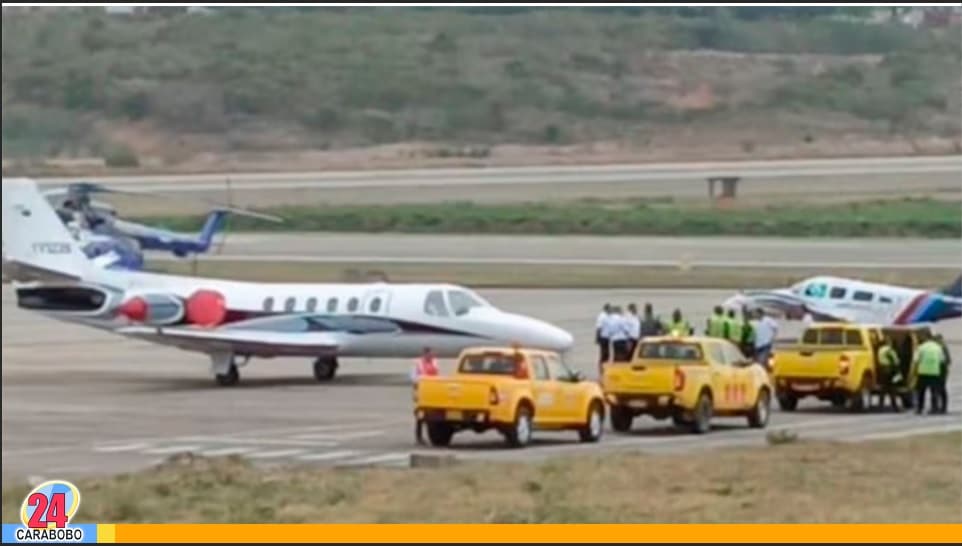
(174, 89)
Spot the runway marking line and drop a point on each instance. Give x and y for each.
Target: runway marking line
(377, 459)
(330, 455)
(225, 451)
(275, 454)
(120, 448)
(340, 436)
(171, 449)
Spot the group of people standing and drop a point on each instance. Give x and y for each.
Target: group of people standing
(754, 332)
(617, 330)
(931, 360)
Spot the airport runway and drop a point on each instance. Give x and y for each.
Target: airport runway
(831, 180)
(78, 401)
(588, 250)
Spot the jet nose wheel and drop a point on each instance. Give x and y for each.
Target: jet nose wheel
(229, 378)
(325, 368)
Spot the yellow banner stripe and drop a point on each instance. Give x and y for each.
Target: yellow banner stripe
(414, 533)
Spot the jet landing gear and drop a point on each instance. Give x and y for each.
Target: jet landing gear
(224, 367)
(325, 367)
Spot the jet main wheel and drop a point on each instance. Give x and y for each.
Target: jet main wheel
(325, 369)
(228, 379)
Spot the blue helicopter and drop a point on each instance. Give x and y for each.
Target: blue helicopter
(116, 243)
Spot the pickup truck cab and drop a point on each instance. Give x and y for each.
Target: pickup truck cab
(512, 390)
(690, 379)
(837, 363)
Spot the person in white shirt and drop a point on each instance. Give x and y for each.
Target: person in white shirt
(765, 331)
(634, 328)
(618, 332)
(604, 343)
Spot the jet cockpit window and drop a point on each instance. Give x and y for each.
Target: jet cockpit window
(815, 290)
(462, 301)
(434, 304)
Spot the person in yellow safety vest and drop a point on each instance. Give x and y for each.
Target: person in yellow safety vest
(734, 328)
(890, 373)
(678, 326)
(928, 360)
(717, 326)
(747, 341)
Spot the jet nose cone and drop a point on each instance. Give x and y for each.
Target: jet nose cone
(537, 333)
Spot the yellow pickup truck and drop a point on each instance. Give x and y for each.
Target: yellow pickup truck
(837, 363)
(690, 380)
(512, 390)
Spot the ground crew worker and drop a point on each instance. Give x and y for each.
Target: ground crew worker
(619, 336)
(890, 373)
(634, 329)
(928, 360)
(650, 324)
(734, 328)
(765, 329)
(427, 365)
(604, 344)
(678, 325)
(747, 341)
(943, 393)
(717, 325)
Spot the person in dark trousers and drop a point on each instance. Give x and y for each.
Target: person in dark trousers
(650, 324)
(619, 335)
(634, 329)
(604, 344)
(890, 374)
(941, 389)
(928, 360)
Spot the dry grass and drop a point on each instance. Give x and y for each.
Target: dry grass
(906, 480)
(544, 276)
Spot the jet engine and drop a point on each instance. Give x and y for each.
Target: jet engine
(79, 300)
(202, 308)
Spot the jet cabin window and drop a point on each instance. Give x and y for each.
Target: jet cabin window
(837, 293)
(269, 304)
(434, 304)
(375, 305)
(332, 305)
(311, 304)
(289, 304)
(352, 305)
(861, 295)
(462, 302)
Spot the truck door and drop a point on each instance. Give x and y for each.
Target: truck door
(738, 378)
(569, 393)
(545, 392)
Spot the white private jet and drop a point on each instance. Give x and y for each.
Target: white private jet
(232, 321)
(848, 300)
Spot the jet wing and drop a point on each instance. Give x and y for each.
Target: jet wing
(260, 343)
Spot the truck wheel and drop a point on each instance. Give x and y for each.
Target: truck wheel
(758, 417)
(519, 433)
(787, 401)
(440, 434)
(703, 411)
(862, 399)
(621, 419)
(595, 425)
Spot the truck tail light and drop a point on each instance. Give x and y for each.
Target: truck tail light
(844, 364)
(679, 379)
(493, 397)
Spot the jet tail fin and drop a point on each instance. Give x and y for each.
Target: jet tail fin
(953, 289)
(35, 240)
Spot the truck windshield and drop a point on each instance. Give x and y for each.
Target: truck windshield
(489, 363)
(670, 350)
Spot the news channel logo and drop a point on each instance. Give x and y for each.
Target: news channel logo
(45, 516)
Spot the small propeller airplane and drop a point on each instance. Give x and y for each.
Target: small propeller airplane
(827, 298)
(114, 242)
